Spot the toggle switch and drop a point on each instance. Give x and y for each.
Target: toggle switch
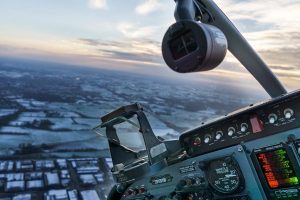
(257, 124)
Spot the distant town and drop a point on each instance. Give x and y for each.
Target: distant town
(58, 179)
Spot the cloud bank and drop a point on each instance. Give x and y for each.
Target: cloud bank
(148, 6)
(131, 30)
(98, 4)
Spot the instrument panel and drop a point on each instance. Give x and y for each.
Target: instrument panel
(279, 171)
(251, 123)
(250, 154)
(197, 179)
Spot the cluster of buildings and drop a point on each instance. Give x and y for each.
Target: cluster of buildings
(54, 179)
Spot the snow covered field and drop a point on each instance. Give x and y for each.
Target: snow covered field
(58, 105)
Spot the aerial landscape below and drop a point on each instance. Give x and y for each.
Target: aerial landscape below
(48, 111)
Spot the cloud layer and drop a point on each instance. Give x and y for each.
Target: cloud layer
(131, 33)
(131, 30)
(143, 51)
(98, 4)
(273, 28)
(148, 6)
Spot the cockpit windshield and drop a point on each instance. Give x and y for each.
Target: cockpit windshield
(64, 64)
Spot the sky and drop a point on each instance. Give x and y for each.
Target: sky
(127, 34)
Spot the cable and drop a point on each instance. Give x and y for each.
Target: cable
(199, 9)
(200, 6)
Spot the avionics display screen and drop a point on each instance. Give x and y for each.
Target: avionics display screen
(277, 168)
(183, 45)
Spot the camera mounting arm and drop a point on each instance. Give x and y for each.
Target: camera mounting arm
(237, 44)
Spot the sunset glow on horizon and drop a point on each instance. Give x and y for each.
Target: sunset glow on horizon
(127, 36)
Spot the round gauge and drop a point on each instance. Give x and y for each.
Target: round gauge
(224, 176)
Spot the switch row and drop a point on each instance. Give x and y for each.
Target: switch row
(135, 191)
(288, 114)
(219, 134)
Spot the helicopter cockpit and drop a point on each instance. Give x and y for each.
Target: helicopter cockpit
(252, 153)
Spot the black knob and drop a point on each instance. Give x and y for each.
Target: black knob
(172, 194)
(162, 198)
(181, 184)
(190, 181)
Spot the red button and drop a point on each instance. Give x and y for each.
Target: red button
(257, 124)
(142, 190)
